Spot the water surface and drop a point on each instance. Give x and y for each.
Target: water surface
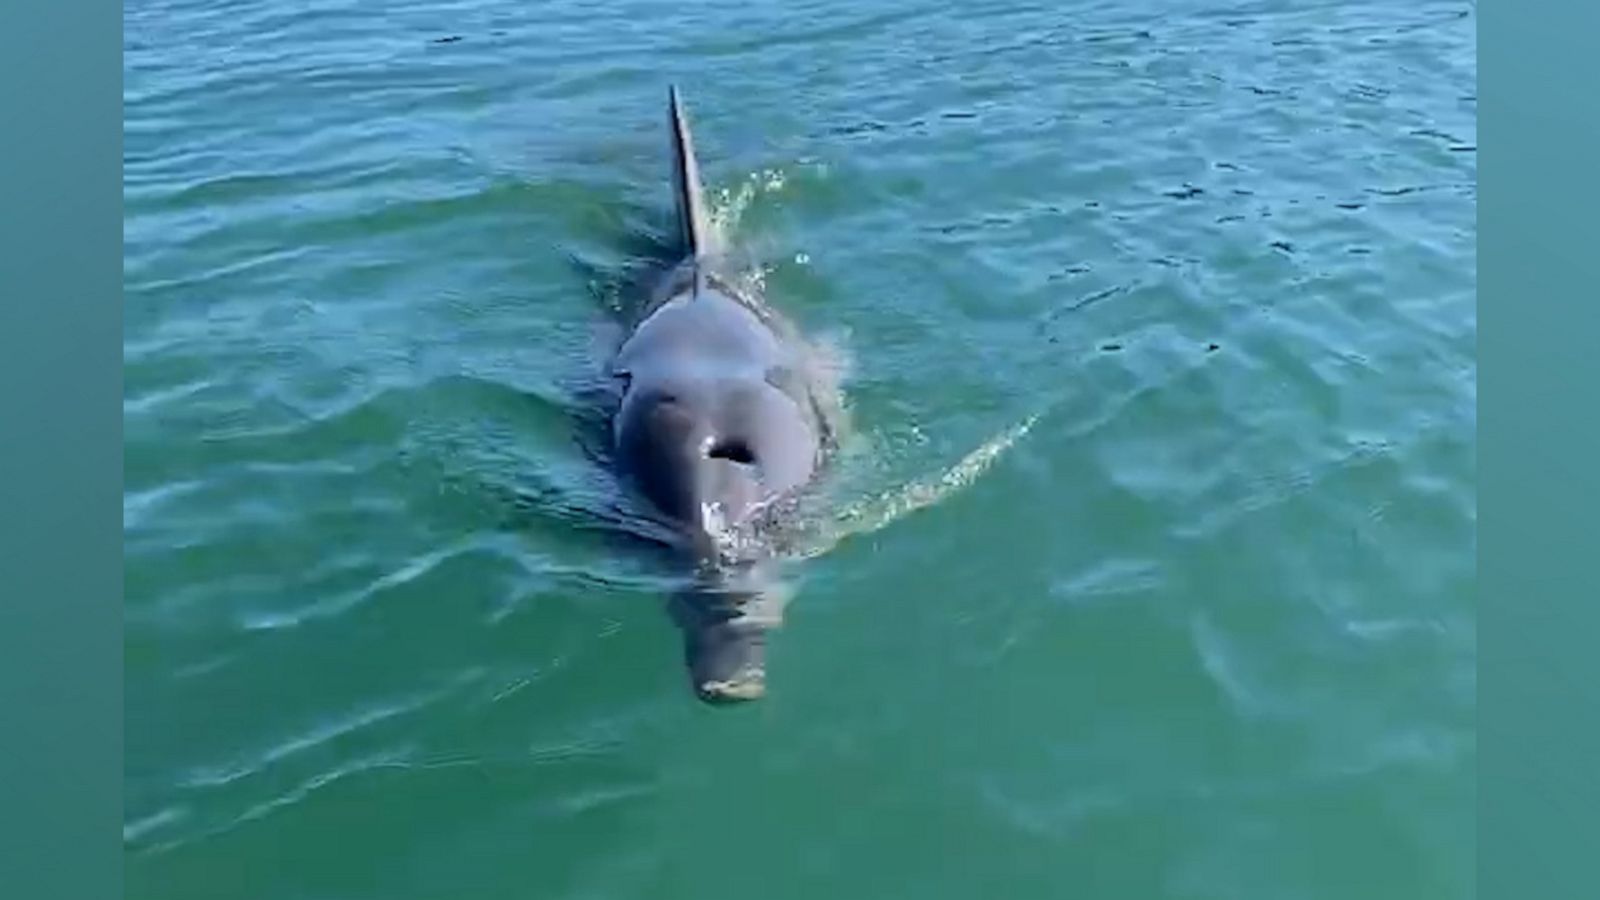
(1154, 563)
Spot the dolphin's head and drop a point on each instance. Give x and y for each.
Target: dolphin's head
(717, 485)
(724, 644)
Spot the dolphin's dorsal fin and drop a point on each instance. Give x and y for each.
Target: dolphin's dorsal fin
(694, 228)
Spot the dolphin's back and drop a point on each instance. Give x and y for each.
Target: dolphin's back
(694, 228)
(723, 375)
(715, 412)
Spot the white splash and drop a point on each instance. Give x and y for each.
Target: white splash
(731, 203)
(874, 513)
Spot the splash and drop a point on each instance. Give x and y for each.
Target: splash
(877, 512)
(729, 204)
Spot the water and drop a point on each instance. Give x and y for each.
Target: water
(1150, 572)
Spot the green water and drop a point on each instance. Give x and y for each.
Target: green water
(1205, 629)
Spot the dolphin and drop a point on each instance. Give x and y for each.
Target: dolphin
(719, 427)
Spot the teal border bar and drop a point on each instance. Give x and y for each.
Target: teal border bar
(60, 449)
(1539, 286)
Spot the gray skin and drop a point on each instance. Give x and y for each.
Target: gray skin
(715, 428)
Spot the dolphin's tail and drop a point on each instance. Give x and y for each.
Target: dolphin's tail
(694, 227)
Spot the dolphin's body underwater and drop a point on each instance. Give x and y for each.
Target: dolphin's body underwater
(718, 426)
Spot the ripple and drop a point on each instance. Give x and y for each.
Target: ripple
(303, 790)
(333, 606)
(1109, 578)
(1222, 663)
(323, 734)
(137, 505)
(137, 829)
(298, 794)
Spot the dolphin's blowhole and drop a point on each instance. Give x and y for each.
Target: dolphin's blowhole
(731, 449)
